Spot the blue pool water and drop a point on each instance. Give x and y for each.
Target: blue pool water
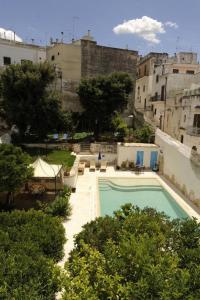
(112, 196)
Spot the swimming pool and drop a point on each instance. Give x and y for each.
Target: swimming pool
(115, 192)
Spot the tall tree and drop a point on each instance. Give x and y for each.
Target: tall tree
(14, 169)
(28, 100)
(103, 95)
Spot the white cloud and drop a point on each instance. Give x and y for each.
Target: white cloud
(171, 24)
(145, 27)
(9, 35)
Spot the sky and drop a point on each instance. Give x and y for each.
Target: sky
(143, 25)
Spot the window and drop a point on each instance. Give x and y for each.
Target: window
(145, 70)
(184, 118)
(157, 78)
(52, 57)
(25, 61)
(190, 72)
(175, 71)
(6, 60)
(58, 53)
(163, 93)
(138, 91)
(155, 110)
(144, 88)
(196, 122)
(182, 138)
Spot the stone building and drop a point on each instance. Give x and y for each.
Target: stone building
(160, 94)
(85, 58)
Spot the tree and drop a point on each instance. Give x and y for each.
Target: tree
(60, 207)
(31, 243)
(103, 95)
(119, 126)
(136, 254)
(15, 169)
(144, 134)
(28, 100)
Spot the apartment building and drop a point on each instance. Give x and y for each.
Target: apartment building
(160, 88)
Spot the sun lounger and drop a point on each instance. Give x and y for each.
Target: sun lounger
(65, 136)
(92, 165)
(139, 169)
(103, 165)
(55, 136)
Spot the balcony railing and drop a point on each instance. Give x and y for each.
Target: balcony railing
(195, 131)
(155, 98)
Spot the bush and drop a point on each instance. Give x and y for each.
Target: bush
(136, 254)
(119, 126)
(144, 134)
(31, 243)
(60, 206)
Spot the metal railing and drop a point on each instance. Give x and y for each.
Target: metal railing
(155, 98)
(195, 131)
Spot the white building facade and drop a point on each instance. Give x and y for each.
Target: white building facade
(12, 52)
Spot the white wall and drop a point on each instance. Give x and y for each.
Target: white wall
(128, 152)
(178, 167)
(18, 52)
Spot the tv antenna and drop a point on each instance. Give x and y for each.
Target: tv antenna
(75, 19)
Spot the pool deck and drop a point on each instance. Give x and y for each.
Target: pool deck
(84, 201)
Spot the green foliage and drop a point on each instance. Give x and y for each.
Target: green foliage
(31, 243)
(28, 101)
(144, 134)
(103, 95)
(62, 157)
(137, 254)
(119, 125)
(60, 207)
(14, 168)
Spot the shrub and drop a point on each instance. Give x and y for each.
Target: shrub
(60, 206)
(31, 243)
(136, 254)
(144, 134)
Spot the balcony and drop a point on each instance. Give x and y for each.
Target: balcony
(194, 131)
(155, 98)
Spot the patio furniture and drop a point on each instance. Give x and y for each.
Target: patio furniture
(81, 168)
(103, 166)
(139, 169)
(92, 165)
(55, 136)
(65, 136)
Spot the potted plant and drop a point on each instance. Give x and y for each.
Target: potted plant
(123, 165)
(67, 171)
(131, 165)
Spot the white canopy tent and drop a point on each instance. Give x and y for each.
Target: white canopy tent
(42, 169)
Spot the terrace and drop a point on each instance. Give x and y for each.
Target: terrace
(85, 201)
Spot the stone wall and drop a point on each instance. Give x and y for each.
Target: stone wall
(101, 60)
